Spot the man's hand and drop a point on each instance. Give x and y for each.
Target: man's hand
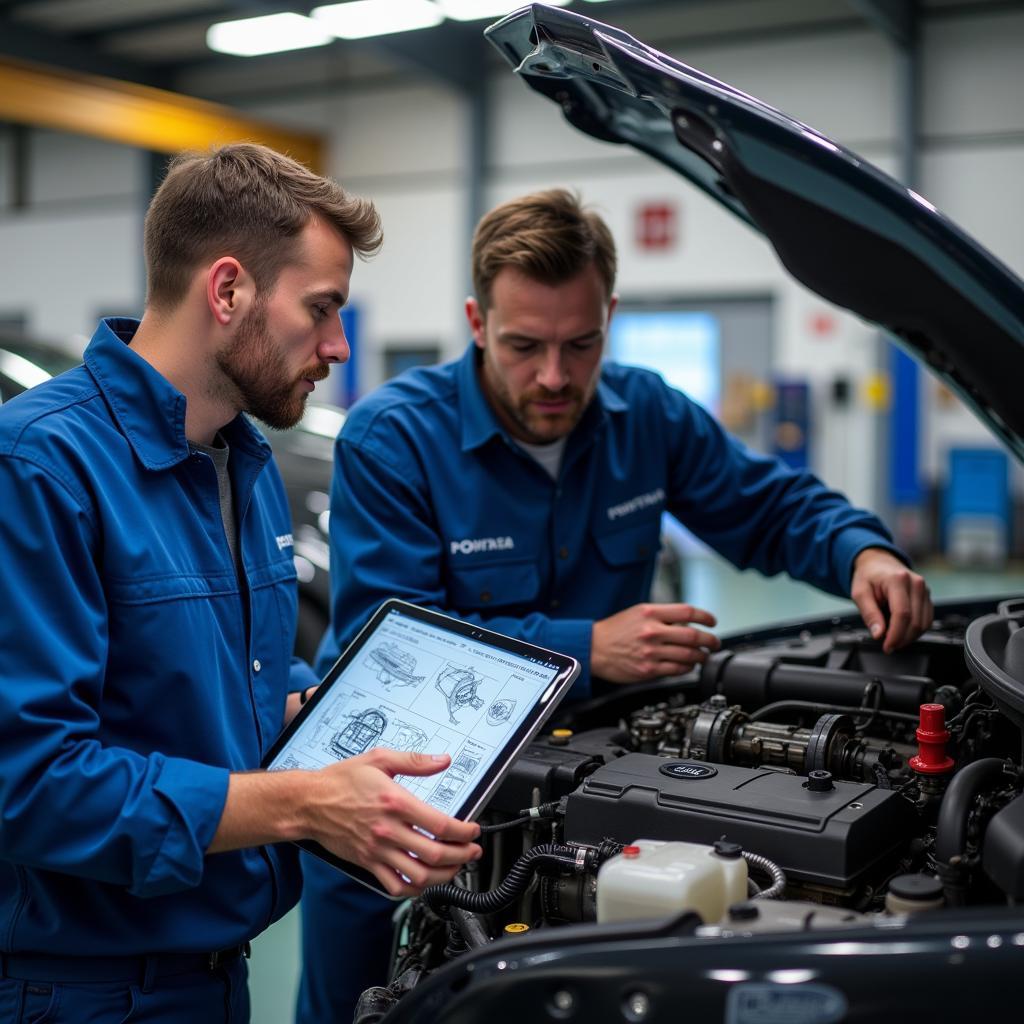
(881, 582)
(355, 809)
(295, 702)
(648, 641)
(360, 814)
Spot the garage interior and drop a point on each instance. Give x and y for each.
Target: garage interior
(431, 124)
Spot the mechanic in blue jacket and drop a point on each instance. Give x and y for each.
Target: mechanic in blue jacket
(146, 636)
(523, 485)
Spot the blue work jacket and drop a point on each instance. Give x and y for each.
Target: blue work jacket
(135, 672)
(433, 502)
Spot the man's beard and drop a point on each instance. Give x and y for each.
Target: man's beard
(534, 426)
(258, 370)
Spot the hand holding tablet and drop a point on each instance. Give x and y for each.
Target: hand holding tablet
(416, 682)
(362, 816)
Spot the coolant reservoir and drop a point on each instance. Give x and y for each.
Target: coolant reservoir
(652, 878)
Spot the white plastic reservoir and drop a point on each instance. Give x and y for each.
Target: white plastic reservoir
(653, 878)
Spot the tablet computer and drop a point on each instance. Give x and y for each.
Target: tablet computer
(417, 680)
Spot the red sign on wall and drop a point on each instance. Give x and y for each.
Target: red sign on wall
(821, 324)
(657, 225)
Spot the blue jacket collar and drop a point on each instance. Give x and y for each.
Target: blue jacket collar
(479, 424)
(149, 410)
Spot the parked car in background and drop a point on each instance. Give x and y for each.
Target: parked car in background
(804, 828)
(303, 454)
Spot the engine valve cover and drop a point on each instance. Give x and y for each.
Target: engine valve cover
(832, 837)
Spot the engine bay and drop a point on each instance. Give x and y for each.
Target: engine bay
(799, 779)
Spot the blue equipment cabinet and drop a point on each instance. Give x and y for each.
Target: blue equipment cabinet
(976, 507)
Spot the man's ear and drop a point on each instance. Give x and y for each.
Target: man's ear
(476, 318)
(229, 290)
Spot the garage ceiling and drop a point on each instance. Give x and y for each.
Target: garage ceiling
(163, 42)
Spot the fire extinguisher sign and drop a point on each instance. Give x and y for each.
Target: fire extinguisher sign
(657, 226)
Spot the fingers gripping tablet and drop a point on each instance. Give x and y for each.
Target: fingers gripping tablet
(415, 680)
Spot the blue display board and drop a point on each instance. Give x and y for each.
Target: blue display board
(790, 438)
(346, 390)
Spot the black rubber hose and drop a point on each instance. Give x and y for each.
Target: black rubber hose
(373, 1005)
(951, 830)
(845, 709)
(503, 826)
(473, 932)
(512, 886)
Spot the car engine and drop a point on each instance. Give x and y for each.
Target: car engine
(800, 779)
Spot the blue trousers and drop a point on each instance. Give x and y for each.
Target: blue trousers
(346, 941)
(219, 997)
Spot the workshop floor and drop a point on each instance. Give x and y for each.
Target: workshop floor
(740, 600)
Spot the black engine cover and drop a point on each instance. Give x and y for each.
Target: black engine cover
(830, 838)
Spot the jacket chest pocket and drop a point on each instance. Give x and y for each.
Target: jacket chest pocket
(494, 585)
(630, 546)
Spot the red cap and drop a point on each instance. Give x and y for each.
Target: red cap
(932, 736)
(631, 851)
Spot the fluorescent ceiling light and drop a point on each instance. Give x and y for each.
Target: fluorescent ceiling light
(359, 19)
(473, 10)
(272, 33)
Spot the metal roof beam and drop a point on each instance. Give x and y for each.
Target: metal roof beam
(450, 54)
(453, 54)
(23, 42)
(895, 19)
(226, 11)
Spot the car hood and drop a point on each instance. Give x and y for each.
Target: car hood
(842, 227)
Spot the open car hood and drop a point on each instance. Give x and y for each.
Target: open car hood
(843, 228)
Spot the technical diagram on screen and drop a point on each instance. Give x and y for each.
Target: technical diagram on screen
(459, 684)
(417, 680)
(393, 665)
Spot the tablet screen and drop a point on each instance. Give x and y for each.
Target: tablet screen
(415, 680)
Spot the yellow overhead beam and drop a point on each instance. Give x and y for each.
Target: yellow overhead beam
(137, 115)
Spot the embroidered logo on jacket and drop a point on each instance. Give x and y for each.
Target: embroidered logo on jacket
(656, 497)
(471, 547)
(284, 540)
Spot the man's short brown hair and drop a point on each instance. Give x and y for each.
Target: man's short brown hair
(245, 201)
(548, 236)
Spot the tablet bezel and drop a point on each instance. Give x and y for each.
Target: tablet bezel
(533, 721)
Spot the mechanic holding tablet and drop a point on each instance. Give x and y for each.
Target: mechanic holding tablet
(522, 486)
(149, 618)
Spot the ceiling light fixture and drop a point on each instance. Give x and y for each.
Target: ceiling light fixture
(474, 10)
(270, 33)
(360, 19)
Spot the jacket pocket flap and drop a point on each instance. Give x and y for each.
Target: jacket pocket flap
(637, 543)
(494, 585)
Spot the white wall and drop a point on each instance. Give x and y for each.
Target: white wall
(404, 147)
(75, 251)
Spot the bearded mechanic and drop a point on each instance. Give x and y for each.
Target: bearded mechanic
(523, 485)
(145, 646)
